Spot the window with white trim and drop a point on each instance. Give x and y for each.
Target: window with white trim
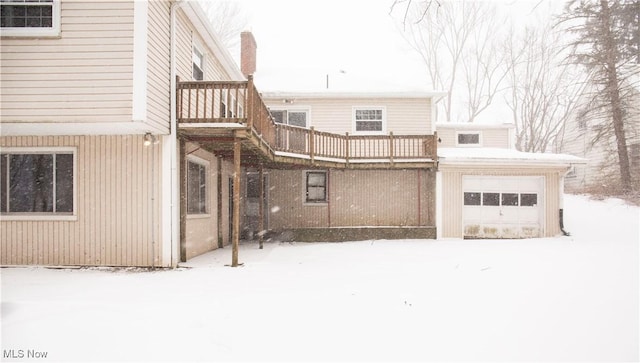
(30, 17)
(369, 119)
(37, 183)
(295, 117)
(197, 59)
(468, 138)
(316, 186)
(196, 187)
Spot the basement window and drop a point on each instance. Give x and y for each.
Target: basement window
(27, 18)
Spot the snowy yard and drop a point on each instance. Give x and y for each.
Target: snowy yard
(566, 298)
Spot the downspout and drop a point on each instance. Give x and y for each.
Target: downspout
(172, 252)
(561, 203)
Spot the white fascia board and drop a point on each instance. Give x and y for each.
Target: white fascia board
(199, 19)
(510, 163)
(140, 22)
(473, 125)
(76, 128)
(435, 95)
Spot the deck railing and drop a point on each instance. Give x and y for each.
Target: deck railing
(238, 102)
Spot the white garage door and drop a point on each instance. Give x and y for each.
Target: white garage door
(502, 207)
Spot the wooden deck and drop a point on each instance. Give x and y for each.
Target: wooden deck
(215, 114)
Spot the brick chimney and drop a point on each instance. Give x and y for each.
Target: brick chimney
(248, 49)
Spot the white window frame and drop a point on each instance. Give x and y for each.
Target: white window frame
(305, 187)
(53, 31)
(11, 216)
(206, 164)
(196, 48)
(479, 133)
(364, 108)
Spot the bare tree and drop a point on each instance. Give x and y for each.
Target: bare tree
(543, 89)
(457, 42)
(227, 18)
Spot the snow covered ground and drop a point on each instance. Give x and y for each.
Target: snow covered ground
(561, 299)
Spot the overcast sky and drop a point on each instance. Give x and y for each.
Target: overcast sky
(300, 42)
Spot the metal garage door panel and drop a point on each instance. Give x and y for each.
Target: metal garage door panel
(503, 221)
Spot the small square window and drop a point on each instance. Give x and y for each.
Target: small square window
(528, 199)
(472, 198)
(491, 199)
(509, 199)
(468, 138)
(369, 119)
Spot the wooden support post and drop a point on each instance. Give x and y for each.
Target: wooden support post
(311, 143)
(261, 206)
(250, 103)
(183, 200)
(346, 148)
(391, 147)
(236, 202)
(219, 185)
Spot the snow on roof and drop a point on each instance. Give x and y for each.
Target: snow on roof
(353, 94)
(498, 155)
(473, 125)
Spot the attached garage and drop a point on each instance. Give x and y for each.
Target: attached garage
(499, 193)
(502, 206)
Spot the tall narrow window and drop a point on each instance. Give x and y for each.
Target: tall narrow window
(36, 183)
(196, 188)
(316, 186)
(198, 64)
(30, 17)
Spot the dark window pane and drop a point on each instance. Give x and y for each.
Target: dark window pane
(198, 74)
(468, 138)
(298, 119)
(528, 199)
(509, 199)
(368, 125)
(490, 198)
(196, 188)
(471, 198)
(31, 183)
(4, 161)
(253, 186)
(279, 116)
(64, 183)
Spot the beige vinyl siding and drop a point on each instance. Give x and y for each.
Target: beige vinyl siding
(202, 233)
(452, 194)
(404, 116)
(490, 137)
(85, 75)
(356, 198)
(159, 57)
(186, 37)
(118, 207)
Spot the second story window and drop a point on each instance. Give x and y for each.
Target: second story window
(468, 138)
(197, 59)
(290, 117)
(369, 119)
(30, 17)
